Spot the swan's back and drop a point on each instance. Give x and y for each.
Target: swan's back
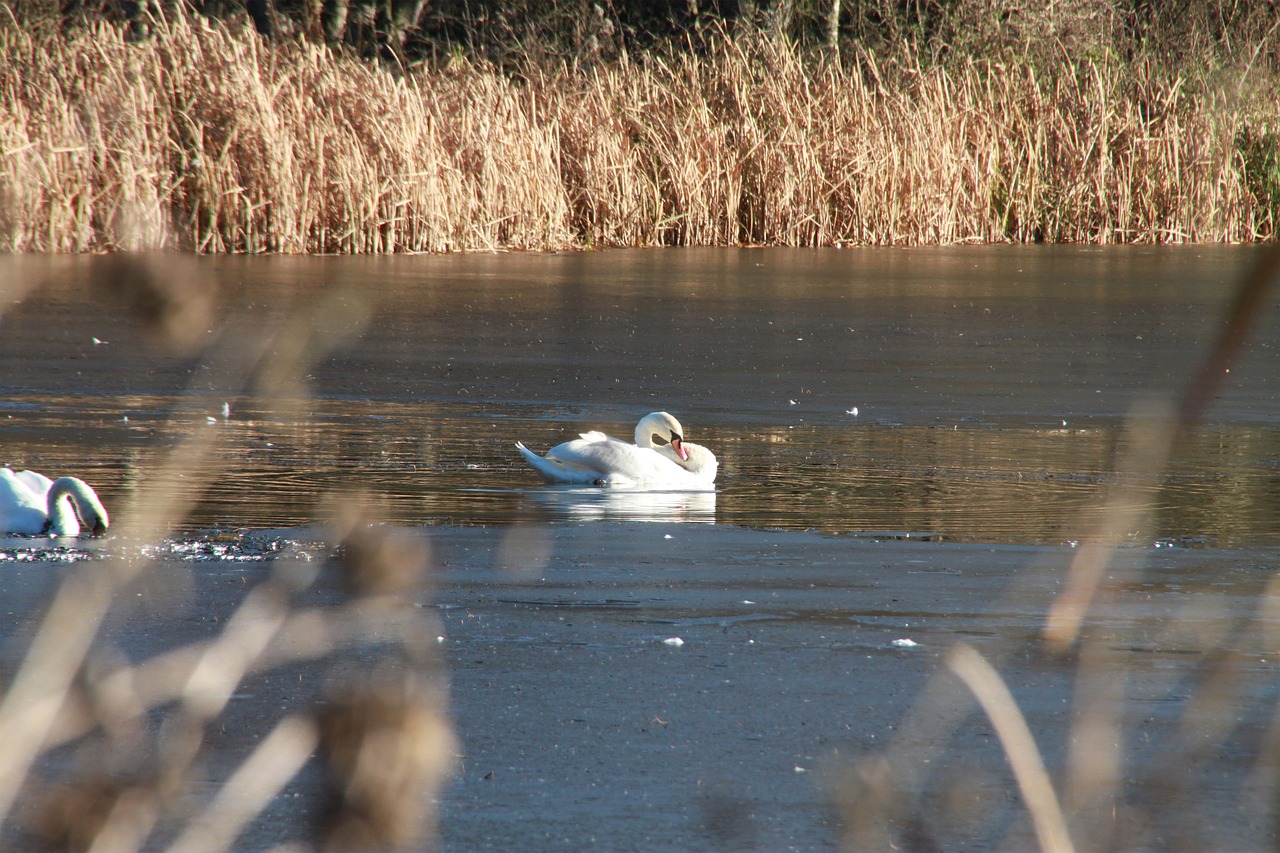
(37, 482)
(595, 457)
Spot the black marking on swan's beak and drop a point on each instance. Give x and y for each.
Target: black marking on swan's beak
(678, 443)
(98, 527)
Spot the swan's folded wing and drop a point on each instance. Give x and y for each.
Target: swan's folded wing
(17, 490)
(38, 483)
(21, 511)
(555, 470)
(618, 463)
(597, 459)
(608, 458)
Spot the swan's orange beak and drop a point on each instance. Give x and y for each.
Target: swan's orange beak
(678, 444)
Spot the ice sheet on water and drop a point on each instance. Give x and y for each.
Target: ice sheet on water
(43, 554)
(240, 547)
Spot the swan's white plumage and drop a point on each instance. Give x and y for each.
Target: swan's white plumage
(32, 504)
(22, 509)
(654, 461)
(36, 482)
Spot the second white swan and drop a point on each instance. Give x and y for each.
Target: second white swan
(32, 504)
(660, 458)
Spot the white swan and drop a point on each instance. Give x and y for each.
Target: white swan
(660, 458)
(32, 504)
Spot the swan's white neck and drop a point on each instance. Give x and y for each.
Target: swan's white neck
(658, 430)
(72, 502)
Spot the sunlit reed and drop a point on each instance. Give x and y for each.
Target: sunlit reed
(209, 138)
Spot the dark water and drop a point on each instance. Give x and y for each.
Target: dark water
(991, 385)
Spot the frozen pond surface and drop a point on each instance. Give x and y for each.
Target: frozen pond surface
(991, 388)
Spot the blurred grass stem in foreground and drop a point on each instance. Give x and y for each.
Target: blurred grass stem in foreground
(138, 731)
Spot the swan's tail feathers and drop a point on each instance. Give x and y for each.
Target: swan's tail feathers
(548, 469)
(556, 470)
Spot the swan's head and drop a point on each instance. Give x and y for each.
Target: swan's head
(660, 429)
(701, 462)
(697, 460)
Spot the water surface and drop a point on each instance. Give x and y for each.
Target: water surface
(990, 385)
(970, 394)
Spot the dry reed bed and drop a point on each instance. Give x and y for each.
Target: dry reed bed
(208, 138)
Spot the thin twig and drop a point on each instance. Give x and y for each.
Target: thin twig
(1019, 746)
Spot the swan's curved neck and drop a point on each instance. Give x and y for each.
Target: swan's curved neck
(72, 502)
(657, 431)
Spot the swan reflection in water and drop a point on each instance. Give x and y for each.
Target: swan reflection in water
(621, 504)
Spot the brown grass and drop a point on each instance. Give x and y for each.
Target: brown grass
(209, 138)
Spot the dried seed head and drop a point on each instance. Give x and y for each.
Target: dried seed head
(103, 696)
(390, 749)
(98, 812)
(373, 559)
(176, 303)
(380, 561)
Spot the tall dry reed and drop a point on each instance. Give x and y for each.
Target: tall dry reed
(211, 139)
